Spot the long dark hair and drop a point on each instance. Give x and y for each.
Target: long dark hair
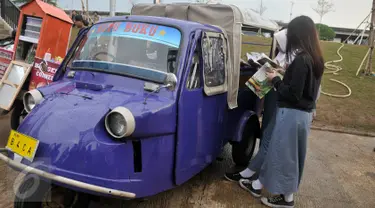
(303, 36)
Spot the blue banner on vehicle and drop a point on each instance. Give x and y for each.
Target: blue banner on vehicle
(156, 33)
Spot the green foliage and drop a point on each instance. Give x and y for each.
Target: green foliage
(325, 32)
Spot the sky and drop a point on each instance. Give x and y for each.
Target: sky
(347, 13)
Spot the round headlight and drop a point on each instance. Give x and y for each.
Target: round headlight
(120, 123)
(31, 99)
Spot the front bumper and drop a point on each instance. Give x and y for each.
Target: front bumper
(63, 180)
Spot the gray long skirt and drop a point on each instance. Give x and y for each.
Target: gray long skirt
(283, 165)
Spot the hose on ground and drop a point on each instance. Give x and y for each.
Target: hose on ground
(334, 69)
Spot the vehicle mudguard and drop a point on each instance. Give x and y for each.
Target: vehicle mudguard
(248, 117)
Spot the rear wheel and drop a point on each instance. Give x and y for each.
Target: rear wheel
(36, 193)
(243, 151)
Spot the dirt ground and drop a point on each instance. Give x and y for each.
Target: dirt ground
(340, 172)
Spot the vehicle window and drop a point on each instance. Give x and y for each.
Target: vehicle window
(194, 81)
(213, 61)
(129, 44)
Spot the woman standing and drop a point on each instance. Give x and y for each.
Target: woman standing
(283, 166)
(269, 116)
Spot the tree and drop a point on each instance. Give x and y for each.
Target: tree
(323, 7)
(53, 2)
(325, 32)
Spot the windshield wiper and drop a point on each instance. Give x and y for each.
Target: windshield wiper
(87, 69)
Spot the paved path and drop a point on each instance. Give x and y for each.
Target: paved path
(340, 172)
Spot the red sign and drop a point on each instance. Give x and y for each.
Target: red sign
(41, 76)
(5, 59)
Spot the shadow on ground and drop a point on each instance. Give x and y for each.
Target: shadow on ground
(340, 172)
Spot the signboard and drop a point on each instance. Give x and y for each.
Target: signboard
(156, 33)
(42, 73)
(5, 59)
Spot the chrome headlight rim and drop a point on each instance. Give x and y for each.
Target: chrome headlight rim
(129, 122)
(36, 97)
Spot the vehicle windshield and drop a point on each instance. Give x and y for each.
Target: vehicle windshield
(129, 48)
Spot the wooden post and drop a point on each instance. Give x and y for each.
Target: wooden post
(371, 42)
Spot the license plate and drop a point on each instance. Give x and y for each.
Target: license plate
(22, 145)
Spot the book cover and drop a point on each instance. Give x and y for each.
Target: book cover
(258, 83)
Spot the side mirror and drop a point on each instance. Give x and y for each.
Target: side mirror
(170, 81)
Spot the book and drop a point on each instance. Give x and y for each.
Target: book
(258, 83)
(260, 59)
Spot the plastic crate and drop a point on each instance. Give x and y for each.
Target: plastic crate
(33, 21)
(32, 34)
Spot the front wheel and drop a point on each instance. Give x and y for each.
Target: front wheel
(18, 115)
(243, 151)
(36, 193)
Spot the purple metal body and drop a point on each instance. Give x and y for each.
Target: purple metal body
(180, 131)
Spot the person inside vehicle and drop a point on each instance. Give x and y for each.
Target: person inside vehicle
(283, 166)
(269, 116)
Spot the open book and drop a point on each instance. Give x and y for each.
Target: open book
(260, 59)
(258, 83)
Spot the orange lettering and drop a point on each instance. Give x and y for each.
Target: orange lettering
(128, 27)
(136, 28)
(116, 26)
(101, 29)
(109, 28)
(153, 30)
(144, 29)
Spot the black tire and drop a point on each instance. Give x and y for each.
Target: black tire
(18, 111)
(33, 192)
(243, 151)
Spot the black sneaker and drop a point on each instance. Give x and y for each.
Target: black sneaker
(247, 185)
(277, 202)
(236, 177)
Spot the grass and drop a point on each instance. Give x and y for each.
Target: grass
(355, 112)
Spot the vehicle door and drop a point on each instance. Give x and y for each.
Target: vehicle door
(202, 106)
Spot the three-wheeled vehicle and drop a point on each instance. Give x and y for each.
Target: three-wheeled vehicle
(139, 105)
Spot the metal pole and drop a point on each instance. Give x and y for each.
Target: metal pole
(291, 10)
(87, 7)
(371, 38)
(112, 8)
